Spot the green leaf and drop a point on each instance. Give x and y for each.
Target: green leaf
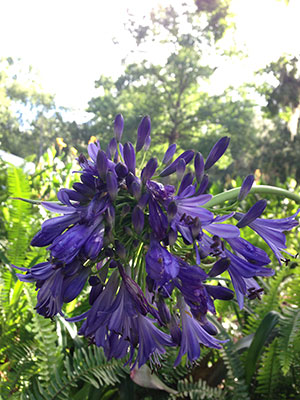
(261, 336)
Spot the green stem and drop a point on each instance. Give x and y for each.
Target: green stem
(232, 194)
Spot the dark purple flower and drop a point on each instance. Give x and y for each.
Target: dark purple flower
(161, 265)
(251, 253)
(118, 127)
(144, 130)
(246, 187)
(157, 219)
(66, 246)
(216, 152)
(169, 154)
(240, 271)
(193, 334)
(52, 228)
(271, 230)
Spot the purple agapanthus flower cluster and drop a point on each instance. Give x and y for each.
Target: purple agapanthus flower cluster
(152, 255)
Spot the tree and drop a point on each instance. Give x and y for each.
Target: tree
(172, 92)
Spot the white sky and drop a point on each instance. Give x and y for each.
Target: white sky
(70, 41)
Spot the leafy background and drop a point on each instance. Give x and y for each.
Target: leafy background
(45, 359)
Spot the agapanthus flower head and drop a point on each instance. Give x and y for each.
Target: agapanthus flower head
(151, 253)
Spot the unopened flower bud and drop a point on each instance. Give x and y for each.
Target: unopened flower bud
(180, 169)
(112, 185)
(101, 164)
(135, 189)
(118, 127)
(246, 187)
(216, 152)
(143, 132)
(169, 154)
(149, 169)
(129, 156)
(121, 170)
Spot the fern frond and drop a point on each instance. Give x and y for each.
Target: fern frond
(289, 331)
(197, 390)
(88, 365)
(269, 372)
(20, 211)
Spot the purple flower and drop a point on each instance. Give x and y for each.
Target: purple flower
(161, 265)
(193, 334)
(56, 284)
(271, 230)
(67, 246)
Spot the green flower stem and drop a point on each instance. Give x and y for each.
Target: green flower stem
(232, 194)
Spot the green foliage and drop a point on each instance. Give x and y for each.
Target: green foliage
(197, 390)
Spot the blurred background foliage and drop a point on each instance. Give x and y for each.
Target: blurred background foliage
(44, 359)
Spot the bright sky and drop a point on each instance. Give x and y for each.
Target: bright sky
(70, 41)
